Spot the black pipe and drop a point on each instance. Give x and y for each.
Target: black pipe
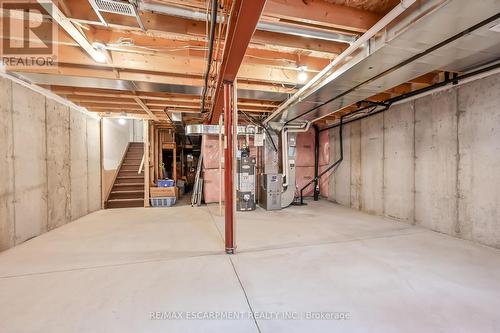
(316, 162)
(259, 123)
(213, 23)
(371, 113)
(337, 162)
(404, 63)
(454, 79)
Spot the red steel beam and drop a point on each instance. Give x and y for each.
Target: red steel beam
(244, 17)
(228, 168)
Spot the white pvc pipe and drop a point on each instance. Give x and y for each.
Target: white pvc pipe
(284, 147)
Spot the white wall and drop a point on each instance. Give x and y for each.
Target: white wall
(47, 173)
(434, 162)
(116, 137)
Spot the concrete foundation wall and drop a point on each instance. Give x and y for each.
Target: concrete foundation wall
(432, 162)
(50, 163)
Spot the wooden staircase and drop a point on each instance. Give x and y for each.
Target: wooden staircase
(128, 186)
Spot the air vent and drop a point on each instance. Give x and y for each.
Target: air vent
(115, 7)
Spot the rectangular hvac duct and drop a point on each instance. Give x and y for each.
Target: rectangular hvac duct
(114, 7)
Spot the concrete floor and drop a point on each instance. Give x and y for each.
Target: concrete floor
(108, 271)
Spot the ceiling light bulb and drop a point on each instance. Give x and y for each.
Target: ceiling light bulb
(302, 77)
(122, 121)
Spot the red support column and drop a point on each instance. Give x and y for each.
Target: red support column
(244, 17)
(228, 168)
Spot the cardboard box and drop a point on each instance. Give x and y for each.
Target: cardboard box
(156, 192)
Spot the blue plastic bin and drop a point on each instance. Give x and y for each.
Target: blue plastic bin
(166, 183)
(162, 201)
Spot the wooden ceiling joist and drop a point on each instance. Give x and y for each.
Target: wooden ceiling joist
(145, 108)
(172, 51)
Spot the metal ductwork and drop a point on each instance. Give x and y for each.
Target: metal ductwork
(279, 27)
(176, 119)
(200, 129)
(116, 7)
(415, 38)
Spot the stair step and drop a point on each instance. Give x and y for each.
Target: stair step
(130, 168)
(130, 173)
(126, 195)
(125, 203)
(129, 180)
(134, 156)
(128, 187)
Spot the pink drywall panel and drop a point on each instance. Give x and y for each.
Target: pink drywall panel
(211, 185)
(303, 175)
(210, 151)
(324, 148)
(323, 182)
(305, 149)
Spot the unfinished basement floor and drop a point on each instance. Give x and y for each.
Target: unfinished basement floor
(109, 271)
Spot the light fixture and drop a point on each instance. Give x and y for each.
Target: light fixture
(122, 120)
(302, 76)
(99, 53)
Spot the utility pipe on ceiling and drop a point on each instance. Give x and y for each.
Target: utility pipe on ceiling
(324, 75)
(278, 27)
(213, 23)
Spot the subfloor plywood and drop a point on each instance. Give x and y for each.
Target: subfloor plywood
(118, 266)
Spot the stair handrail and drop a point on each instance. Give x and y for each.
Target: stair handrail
(142, 164)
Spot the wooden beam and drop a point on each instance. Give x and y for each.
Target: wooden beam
(176, 28)
(244, 18)
(175, 65)
(319, 12)
(145, 108)
(65, 23)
